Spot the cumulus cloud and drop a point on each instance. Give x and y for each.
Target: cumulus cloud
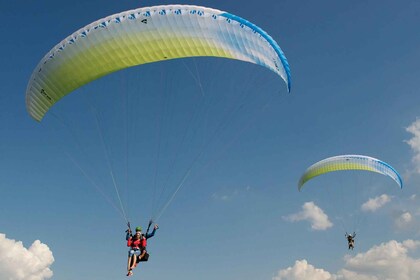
(389, 260)
(20, 263)
(414, 143)
(411, 244)
(374, 204)
(404, 220)
(312, 213)
(303, 271)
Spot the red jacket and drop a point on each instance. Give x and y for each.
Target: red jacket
(137, 243)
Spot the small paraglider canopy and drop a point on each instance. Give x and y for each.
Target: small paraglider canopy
(349, 162)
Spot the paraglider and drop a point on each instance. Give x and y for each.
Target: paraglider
(141, 36)
(138, 244)
(347, 163)
(350, 240)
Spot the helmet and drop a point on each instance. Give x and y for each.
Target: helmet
(138, 228)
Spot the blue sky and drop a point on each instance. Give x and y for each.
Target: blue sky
(355, 79)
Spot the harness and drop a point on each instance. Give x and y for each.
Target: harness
(138, 244)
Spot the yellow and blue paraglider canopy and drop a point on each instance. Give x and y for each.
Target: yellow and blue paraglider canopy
(147, 35)
(349, 162)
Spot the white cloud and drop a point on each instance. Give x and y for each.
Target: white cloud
(303, 271)
(374, 204)
(387, 261)
(414, 143)
(226, 196)
(312, 213)
(404, 220)
(20, 263)
(220, 197)
(411, 244)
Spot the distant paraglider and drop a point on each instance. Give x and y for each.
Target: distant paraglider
(350, 239)
(349, 163)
